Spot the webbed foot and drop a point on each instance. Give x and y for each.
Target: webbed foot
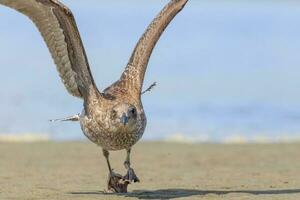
(131, 176)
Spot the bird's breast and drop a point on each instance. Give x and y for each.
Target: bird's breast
(101, 130)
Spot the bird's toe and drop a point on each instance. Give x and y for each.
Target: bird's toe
(131, 176)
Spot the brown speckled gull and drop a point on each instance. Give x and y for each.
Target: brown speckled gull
(113, 119)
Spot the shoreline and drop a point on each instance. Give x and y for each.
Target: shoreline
(176, 138)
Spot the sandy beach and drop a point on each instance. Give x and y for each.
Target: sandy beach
(77, 170)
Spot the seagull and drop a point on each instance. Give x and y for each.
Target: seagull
(113, 118)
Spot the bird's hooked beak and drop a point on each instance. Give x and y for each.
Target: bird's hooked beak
(124, 119)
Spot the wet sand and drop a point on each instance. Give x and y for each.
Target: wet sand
(77, 170)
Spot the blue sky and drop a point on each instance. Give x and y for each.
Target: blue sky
(215, 53)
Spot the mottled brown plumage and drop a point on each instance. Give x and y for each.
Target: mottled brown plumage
(113, 119)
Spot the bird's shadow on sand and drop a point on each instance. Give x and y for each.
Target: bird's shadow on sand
(179, 193)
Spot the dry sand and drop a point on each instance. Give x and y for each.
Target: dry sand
(167, 171)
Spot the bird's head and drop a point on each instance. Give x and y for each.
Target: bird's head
(124, 114)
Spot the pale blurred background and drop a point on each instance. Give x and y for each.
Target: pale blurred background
(226, 70)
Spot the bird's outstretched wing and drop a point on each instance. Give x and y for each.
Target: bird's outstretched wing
(57, 25)
(133, 76)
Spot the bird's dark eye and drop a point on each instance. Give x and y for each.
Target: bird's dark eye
(132, 111)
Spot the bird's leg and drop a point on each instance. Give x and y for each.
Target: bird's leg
(130, 176)
(115, 181)
(106, 155)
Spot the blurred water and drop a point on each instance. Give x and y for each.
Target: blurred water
(226, 70)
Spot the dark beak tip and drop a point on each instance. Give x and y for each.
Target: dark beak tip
(124, 120)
